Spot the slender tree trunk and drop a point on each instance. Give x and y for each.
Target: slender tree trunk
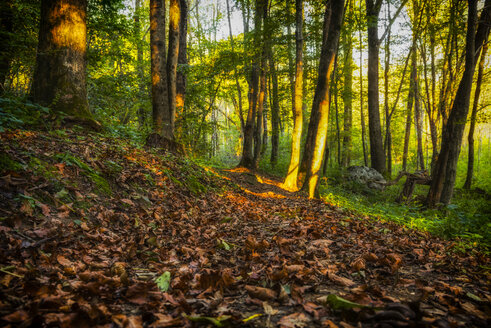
(409, 119)
(182, 59)
(160, 95)
(377, 154)
(172, 59)
(470, 138)
(347, 88)
(139, 63)
(236, 74)
(275, 109)
(6, 30)
(334, 90)
(60, 76)
(262, 87)
(247, 159)
(292, 173)
(362, 114)
(443, 179)
(320, 107)
(387, 146)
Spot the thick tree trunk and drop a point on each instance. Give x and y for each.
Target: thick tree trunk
(292, 173)
(160, 94)
(320, 107)
(172, 59)
(443, 179)
(470, 138)
(182, 59)
(59, 78)
(376, 145)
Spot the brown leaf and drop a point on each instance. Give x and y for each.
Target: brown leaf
(341, 280)
(294, 320)
(18, 316)
(358, 264)
(64, 261)
(261, 293)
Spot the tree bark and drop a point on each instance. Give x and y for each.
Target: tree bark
(470, 137)
(275, 109)
(293, 168)
(320, 107)
(348, 88)
(160, 94)
(182, 60)
(60, 76)
(377, 155)
(139, 63)
(443, 179)
(247, 159)
(172, 58)
(6, 30)
(362, 114)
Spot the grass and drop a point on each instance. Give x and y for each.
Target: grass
(466, 220)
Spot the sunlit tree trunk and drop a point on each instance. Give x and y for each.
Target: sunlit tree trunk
(172, 58)
(59, 78)
(320, 107)
(443, 178)
(470, 138)
(160, 95)
(377, 155)
(292, 173)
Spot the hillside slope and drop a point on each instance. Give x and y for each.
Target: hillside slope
(95, 231)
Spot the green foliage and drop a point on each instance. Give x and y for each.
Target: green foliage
(17, 113)
(467, 219)
(8, 164)
(163, 282)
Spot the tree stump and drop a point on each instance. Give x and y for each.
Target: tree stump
(412, 179)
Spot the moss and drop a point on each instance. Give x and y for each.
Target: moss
(8, 164)
(42, 168)
(193, 184)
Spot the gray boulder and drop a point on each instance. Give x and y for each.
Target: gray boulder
(366, 176)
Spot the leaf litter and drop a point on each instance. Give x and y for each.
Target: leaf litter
(96, 232)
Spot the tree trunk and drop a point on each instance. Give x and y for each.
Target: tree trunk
(60, 76)
(275, 110)
(470, 138)
(320, 107)
(262, 86)
(376, 144)
(182, 59)
(6, 30)
(347, 88)
(407, 134)
(362, 114)
(172, 58)
(236, 74)
(160, 95)
(292, 173)
(139, 63)
(443, 179)
(387, 146)
(247, 159)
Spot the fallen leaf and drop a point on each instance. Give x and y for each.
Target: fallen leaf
(261, 293)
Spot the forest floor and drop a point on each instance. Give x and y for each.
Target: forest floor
(95, 231)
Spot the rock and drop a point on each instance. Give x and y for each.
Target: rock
(366, 176)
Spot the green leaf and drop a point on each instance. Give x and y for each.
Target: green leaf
(337, 302)
(218, 321)
(163, 282)
(473, 297)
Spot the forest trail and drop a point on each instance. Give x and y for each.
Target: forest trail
(95, 231)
